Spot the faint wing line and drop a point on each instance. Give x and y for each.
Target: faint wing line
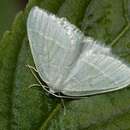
(100, 71)
(49, 38)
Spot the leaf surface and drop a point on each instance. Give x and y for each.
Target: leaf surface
(30, 108)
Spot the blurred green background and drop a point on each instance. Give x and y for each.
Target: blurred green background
(8, 10)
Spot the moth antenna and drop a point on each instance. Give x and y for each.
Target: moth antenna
(31, 67)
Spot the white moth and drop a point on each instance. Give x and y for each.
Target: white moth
(69, 62)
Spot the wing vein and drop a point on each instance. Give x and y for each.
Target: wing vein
(106, 75)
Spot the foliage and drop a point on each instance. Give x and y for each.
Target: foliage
(7, 13)
(31, 109)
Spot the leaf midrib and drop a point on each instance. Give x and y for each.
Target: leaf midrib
(118, 37)
(51, 115)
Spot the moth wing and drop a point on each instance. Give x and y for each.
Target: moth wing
(96, 71)
(69, 62)
(54, 46)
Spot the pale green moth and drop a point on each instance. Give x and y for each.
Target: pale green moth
(69, 62)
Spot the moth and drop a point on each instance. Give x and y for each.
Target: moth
(70, 62)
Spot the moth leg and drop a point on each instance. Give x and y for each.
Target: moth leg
(62, 102)
(33, 85)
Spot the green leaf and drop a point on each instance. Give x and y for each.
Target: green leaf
(30, 108)
(7, 13)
